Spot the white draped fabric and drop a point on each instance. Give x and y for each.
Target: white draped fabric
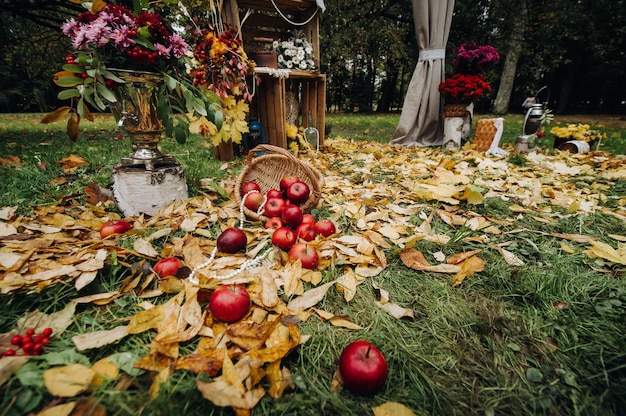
(420, 123)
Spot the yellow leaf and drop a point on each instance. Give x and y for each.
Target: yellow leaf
(68, 381)
(566, 248)
(230, 374)
(97, 5)
(279, 379)
(469, 266)
(104, 370)
(605, 251)
(64, 409)
(392, 409)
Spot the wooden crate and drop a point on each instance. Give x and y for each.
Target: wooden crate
(270, 104)
(263, 25)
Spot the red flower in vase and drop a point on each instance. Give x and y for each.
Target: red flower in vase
(463, 89)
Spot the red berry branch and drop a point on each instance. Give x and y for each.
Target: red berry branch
(30, 343)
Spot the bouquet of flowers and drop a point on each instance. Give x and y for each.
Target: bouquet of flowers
(582, 132)
(474, 59)
(463, 89)
(295, 53)
(220, 62)
(221, 65)
(109, 36)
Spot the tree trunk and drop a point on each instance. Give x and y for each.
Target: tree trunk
(501, 104)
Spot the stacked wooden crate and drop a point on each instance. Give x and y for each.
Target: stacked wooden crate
(267, 21)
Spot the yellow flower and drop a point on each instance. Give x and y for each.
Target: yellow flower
(292, 130)
(578, 131)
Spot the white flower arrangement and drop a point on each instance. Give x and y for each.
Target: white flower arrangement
(295, 53)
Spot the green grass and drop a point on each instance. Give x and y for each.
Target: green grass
(494, 346)
(380, 127)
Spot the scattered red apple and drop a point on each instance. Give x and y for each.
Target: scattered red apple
(325, 227)
(229, 303)
(114, 227)
(274, 207)
(254, 200)
(286, 182)
(232, 240)
(274, 223)
(298, 193)
(167, 266)
(283, 238)
(363, 368)
(306, 232)
(292, 215)
(274, 193)
(249, 186)
(308, 219)
(308, 255)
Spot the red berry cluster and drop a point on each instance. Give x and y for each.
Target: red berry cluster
(141, 56)
(30, 343)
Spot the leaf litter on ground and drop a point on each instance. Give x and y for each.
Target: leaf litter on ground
(385, 198)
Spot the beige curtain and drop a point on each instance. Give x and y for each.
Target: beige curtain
(419, 123)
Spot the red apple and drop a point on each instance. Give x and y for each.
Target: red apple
(274, 222)
(229, 303)
(292, 215)
(283, 238)
(325, 227)
(274, 193)
(114, 227)
(249, 186)
(363, 368)
(274, 207)
(308, 219)
(298, 193)
(167, 266)
(306, 232)
(285, 182)
(254, 200)
(232, 240)
(307, 255)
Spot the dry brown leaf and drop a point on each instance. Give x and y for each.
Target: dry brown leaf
(510, 258)
(413, 259)
(209, 362)
(68, 381)
(145, 248)
(606, 252)
(147, 319)
(9, 365)
(578, 238)
(71, 163)
(310, 298)
(99, 338)
(250, 335)
(220, 393)
(347, 284)
(279, 379)
(64, 409)
(459, 257)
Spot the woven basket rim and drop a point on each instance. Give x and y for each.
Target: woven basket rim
(312, 176)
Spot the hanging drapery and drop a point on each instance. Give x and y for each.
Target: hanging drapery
(419, 123)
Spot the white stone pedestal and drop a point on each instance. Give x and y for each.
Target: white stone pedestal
(140, 191)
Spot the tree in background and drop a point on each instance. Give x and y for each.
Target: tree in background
(369, 51)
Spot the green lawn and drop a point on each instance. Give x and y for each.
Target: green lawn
(544, 336)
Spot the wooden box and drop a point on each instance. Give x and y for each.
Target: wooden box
(269, 20)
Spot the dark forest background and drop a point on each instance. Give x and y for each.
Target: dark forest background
(368, 48)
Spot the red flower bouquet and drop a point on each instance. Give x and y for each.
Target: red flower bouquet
(463, 89)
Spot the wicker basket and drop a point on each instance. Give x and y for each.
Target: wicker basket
(484, 134)
(268, 169)
(454, 110)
